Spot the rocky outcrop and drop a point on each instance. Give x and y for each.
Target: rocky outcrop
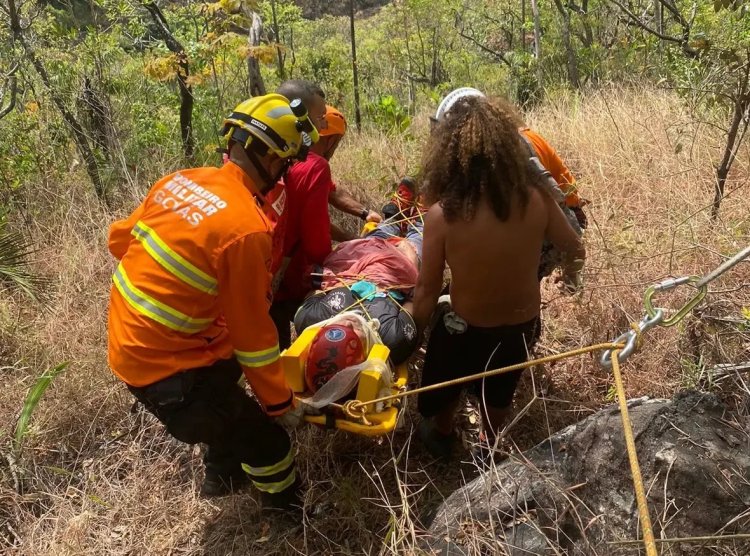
(573, 493)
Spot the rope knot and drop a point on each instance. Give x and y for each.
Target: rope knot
(354, 409)
(635, 327)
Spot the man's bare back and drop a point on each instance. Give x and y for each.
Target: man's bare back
(488, 222)
(494, 263)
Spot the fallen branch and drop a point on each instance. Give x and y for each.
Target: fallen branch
(725, 369)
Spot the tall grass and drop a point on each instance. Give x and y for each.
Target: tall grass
(103, 479)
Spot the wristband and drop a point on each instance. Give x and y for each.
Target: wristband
(363, 214)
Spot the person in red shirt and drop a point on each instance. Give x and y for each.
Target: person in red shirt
(339, 198)
(306, 236)
(332, 127)
(303, 231)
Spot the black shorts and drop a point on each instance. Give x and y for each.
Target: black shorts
(451, 356)
(397, 329)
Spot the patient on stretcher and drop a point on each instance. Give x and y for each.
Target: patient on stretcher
(375, 276)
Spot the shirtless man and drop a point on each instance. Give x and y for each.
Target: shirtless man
(487, 222)
(548, 170)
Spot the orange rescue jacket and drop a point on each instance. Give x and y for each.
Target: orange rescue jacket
(193, 284)
(555, 166)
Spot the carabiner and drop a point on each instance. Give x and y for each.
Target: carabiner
(627, 338)
(630, 339)
(670, 284)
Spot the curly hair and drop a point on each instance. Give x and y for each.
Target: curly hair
(475, 151)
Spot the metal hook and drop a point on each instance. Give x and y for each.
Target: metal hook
(631, 338)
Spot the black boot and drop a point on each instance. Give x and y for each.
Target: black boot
(288, 500)
(221, 484)
(439, 445)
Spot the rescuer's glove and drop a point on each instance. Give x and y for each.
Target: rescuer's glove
(292, 418)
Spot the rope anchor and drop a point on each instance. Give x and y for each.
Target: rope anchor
(631, 339)
(655, 316)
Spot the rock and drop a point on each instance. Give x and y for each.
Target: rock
(573, 493)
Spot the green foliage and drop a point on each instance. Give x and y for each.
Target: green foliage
(32, 400)
(15, 251)
(388, 114)
(18, 142)
(693, 372)
(410, 53)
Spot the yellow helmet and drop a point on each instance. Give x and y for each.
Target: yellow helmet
(282, 126)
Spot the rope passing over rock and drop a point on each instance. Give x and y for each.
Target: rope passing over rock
(635, 468)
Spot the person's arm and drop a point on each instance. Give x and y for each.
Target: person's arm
(119, 232)
(244, 276)
(340, 234)
(566, 240)
(340, 199)
(430, 280)
(555, 166)
(562, 176)
(567, 184)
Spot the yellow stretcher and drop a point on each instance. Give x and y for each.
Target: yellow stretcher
(370, 385)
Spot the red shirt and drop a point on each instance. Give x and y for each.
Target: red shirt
(307, 226)
(274, 208)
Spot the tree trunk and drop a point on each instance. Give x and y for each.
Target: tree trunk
(95, 117)
(355, 73)
(409, 63)
(659, 23)
(734, 139)
(11, 87)
(570, 55)
(435, 70)
(573, 76)
(537, 42)
(81, 141)
(186, 92)
(255, 83)
(588, 32)
(523, 25)
(277, 38)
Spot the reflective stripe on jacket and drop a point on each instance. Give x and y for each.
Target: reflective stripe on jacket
(193, 284)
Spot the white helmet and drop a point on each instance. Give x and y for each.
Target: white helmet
(450, 99)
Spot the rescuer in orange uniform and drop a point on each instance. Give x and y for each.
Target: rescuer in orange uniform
(189, 306)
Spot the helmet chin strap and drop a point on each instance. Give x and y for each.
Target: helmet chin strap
(268, 179)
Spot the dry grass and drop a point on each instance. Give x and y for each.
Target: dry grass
(96, 478)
